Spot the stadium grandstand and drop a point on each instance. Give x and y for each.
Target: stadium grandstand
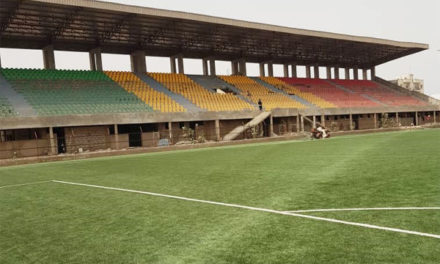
(46, 112)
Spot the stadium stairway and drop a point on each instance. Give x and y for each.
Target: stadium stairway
(16, 100)
(190, 107)
(240, 129)
(274, 89)
(213, 83)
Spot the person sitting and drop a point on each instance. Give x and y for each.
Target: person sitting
(322, 130)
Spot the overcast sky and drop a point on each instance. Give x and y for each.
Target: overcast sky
(402, 20)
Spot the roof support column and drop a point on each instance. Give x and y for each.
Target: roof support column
(364, 74)
(242, 67)
(329, 72)
(286, 70)
(180, 65)
(205, 67)
(173, 65)
(138, 63)
(234, 67)
(373, 73)
(356, 73)
(336, 73)
(49, 57)
(294, 71)
(316, 69)
(212, 70)
(262, 70)
(308, 72)
(95, 58)
(347, 73)
(270, 69)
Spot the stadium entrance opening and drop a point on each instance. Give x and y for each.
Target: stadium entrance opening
(61, 139)
(134, 134)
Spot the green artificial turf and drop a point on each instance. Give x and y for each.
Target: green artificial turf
(57, 223)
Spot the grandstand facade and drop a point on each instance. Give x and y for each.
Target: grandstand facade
(49, 111)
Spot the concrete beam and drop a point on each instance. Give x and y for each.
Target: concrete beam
(242, 67)
(351, 122)
(329, 72)
(417, 118)
(205, 67)
(347, 73)
(397, 118)
(116, 136)
(435, 117)
(180, 65)
(375, 120)
(49, 57)
(314, 122)
(337, 73)
(170, 131)
(297, 124)
(308, 72)
(234, 67)
(294, 71)
(364, 74)
(173, 66)
(52, 141)
(302, 124)
(217, 130)
(137, 61)
(356, 74)
(271, 125)
(323, 120)
(95, 58)
(262, 70)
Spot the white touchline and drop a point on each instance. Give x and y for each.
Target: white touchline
(365, 209)
(257, 209)
(23, 184)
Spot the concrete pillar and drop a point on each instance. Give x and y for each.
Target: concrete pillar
(329, 73)
(297, 124)
(302, 124)
(116, 136)
(336, 73)
(49, 57)
(138, 64)
(373, 73)
(242, 67)
(417, 118)
(351, 122)
(262, 70)
(271, 125)
(375, 120)
(286, 70)
(294, 70)
(95, 58)
(270, 69)
(347, 73)
(364, 74)
(173, 65)
(205, 67)
(356, 73)
(52, 141)
(323, 120)
(180, 65)
(308, 72)
(435, 117)
(316, 71)
(212, 67)
(170, 131)
(234, 67)
(397, 118)
(217, 130)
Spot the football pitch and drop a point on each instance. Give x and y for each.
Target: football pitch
(353, 199)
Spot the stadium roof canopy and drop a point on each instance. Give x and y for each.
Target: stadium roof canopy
(82, 25)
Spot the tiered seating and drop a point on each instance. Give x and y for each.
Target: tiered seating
(255, 91)
(310, 97)
(65, 92)
(382, 94)
(159, 101)
(6, 109)
(330, 93)
(181, 84)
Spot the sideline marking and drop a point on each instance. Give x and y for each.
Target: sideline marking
(257, 209)
(365, 209)
(23, 184)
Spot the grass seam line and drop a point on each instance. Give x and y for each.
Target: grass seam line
(403, 231)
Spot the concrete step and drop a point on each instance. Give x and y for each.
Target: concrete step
(17, 100)
(188, 105)
(276, 90)
(213, 83)
(240, 129)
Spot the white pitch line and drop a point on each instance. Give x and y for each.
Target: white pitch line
(365, 209)
(23, 184)
(257, 209)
